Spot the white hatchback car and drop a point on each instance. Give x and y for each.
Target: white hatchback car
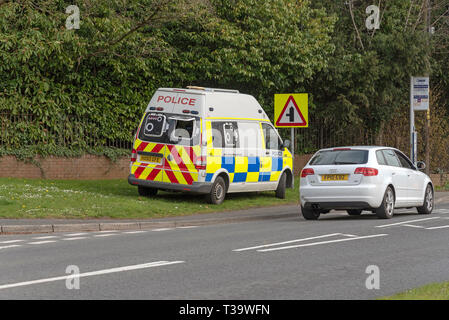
(378, 179)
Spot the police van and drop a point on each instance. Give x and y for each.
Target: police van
(211, 141)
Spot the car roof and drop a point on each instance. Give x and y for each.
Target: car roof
(359, 148)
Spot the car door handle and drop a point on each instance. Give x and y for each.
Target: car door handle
(393, 173)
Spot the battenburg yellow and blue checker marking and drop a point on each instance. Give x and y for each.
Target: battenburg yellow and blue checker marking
(244, 169)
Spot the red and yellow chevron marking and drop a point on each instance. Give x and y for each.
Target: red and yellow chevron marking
(140, 145)
(145, 172)
(181, 168)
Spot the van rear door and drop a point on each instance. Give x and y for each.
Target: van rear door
(150, 154)
(183, 150)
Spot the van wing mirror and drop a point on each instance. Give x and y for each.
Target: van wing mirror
(286, 144)
(421, 165)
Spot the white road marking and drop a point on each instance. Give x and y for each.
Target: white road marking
(187, 227)
(74, 238)
(93, 273)
(162, 229)
(75, 234)
(10, 241)
(286, 242)
(413, 226)
(10, 246)
(439, 227)
(107, 231)
(348, 235)
(46, 237)
(404, 222)
(106, 235)
(323, 242)
(42, 242)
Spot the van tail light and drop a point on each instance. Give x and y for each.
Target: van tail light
(307, 172)
(200, 163)
(366, 171)
(133, 156)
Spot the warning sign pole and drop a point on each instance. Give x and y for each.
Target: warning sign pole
(292, 132)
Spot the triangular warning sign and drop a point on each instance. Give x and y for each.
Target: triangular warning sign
(291, 115)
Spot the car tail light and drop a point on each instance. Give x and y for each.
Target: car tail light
(200, 163)
(366, 171)
(306, 172)
(134, 155)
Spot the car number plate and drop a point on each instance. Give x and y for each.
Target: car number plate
(153, 159)
(334, 177)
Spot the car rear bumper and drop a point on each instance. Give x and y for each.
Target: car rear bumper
(342, 197)
(197, 187)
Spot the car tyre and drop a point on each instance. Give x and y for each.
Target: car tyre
(217, 192)
(146, 191)
(386, 209)
(354, 212)
(310, 214)
(280, 191)
(427, 206)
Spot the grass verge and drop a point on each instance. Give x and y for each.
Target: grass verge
(84, 199)
(433, 291)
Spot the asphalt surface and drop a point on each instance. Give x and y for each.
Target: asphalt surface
(284, 258)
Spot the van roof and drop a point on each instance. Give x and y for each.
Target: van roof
(208, 102)
(199, 90)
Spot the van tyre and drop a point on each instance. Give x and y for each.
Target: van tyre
(146, 191)
(427, 206)
(310, 214)
(217, 192)
(354, 212)
(386, 209)
(280, 191)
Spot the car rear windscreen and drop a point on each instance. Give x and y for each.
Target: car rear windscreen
(339, 157)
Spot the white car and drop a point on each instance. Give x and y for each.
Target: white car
(378, 179)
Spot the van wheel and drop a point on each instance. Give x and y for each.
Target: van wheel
(217, 192)
(146, 191)
(310, 214)
(386, 209)
(280, 191)
(354, 212)
(427, 206)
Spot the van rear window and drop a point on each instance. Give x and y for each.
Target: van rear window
(339, 157)
(153, 125)
(170, 129)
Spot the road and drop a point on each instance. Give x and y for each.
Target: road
(285, 258)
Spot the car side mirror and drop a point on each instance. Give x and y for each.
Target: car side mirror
(286, 144)
(421, 165)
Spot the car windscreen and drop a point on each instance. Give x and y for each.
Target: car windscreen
(170, 129)
(340, 157)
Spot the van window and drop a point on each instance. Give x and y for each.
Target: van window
(391, 158)
(225, 134)
(153, 125)
(336, 157)
(272, 140)
(170, 129)
(249, 135)
(183, 128)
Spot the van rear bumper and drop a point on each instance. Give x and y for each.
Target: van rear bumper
(197, 187)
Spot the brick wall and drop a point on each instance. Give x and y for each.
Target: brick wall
(87, 167)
